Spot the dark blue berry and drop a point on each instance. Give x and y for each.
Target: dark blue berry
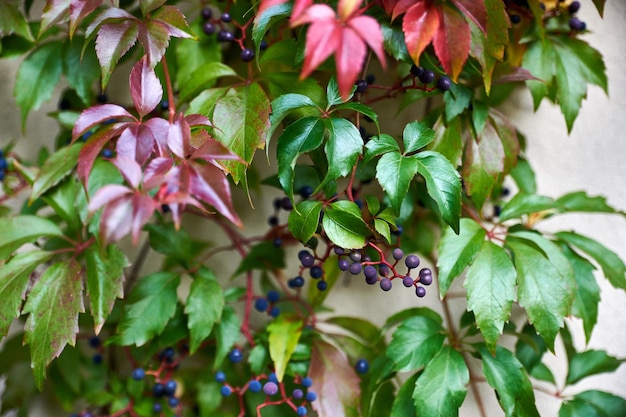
(412, 261)
(343, 264)
(361, 86)
(573, 7)
(398, 254)
(444, 83)
(107, 153)
(102, 98)
(497, 210)
(311, 396)
(138, 374)
(306, 191)
(316, 272)
(398, 231)
(235, 356)
(273, 296)
(247, 55)
(420, 291)
(407, 281)
(94, 341)
(220, 377)
(173, 402)
(298, 282)
(370, 272)
(169, 388)
(272, 221)
(208, 28)
(277, 242)
(371, 79)
(307, 260)
(301, 410)
(577, 24)
(285, 204)
(158, 390)
(263, 45)
(385, 284)
(322, 285)
(273, 378)
(206, 13)
(226, 17)
(362, 366)
(355, 269)
(225, 390)
(270, 388)
(427, 76)
(97, 359)
(255, 386)
(297, 394)
(275, 311)
(515, 19)
(2, 175)
(306, 382)
(165, 105)
(416, 71)
(225, 36)
(156, 408)
(64, 104)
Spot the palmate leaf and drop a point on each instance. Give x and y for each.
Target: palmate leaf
(53, 303)
(394, 173)
(303, 221)
(203, 307)
(343, 147)
(55, 169)
(441, 388)
(490, 284)
(590, 362)
(284, 334)
(334, 380)
(606, 404)
(227, 332)
(344, 225)
(12, 21)
(415, 342)
(19, 230)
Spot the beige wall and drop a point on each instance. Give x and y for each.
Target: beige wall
(591, 158)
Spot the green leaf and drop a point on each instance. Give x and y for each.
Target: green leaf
(150, 305)
(164, 238)
(378, 145)
(19, 230)
(403, 403)
(227, 333)
(416, 135)
(360, 108)
(242, 121)
(543, 292)
(539, 60)
(395, 172)
(263, 21)
(203, 78)
(81, 69)
(304, 135)
(580, 201)
(524, 177)
(56, 168)
(362, 328)
(332, 93)
(552, 251)
(443, 184)
(612, 266)
(343, 148)
(449, 140)
(263, 256)
(383, 229)
(415, 342)
(590, 362)
(490, 284)
(600, 6)
(526, 204)
(578, 408)
(193, 54)
(530, 348)
(543, 373)
(316, 297)
(303, 221)
(344, 225)
(62, 199)
(37, 77)
(53, 303)
(509, 378)
(105, 280)
(282, 106)
(587, 296)
(284, 334)
(204, 103)
(14, 277)
(456, 100)
(204, 306)
(457, 251)
(13, 21)
(609, 405)
(441, 388)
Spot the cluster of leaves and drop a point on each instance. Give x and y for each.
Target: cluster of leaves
(437, 190)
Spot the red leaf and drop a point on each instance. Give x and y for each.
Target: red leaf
(210, 185)
(92, 148)
(79, 9)
(155, 172)
(322, 39)
(419, 26)
(106, 195)
(145, 88)
(400, 7)
(452, 41)
(266, 4)
(369, 30)
(154, 36)
(174, 20)
(129, 169)
(334, 380)
(143, 208)
(159, 128)
(95, 115)
(198, 120)
(212, 150)
(474, 10)
(136, 142)
(112, 42)
(178, 136)
(348, 60)
(112, 13)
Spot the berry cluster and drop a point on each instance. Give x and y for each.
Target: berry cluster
(426, 76)
(268, 304)
(383, 272)
(308, 261)
(270, 386)
(361, 85)
(213, 25)
(575, 23)
(94, 343)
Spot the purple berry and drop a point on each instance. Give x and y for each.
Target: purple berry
(577, 24)
(362, 366)
(385, 284)
(225, 36)
(407, 281)
(156, 408)
(343, 264)
(255, 386)
(261, 304)
(383, 270)
(426, 276)
(355, 269)
(220, 377)
(416, 71)
(263, 45)
(306, 382)
(247, 55)
(370, 272)
(226, 17)
(371, 280)
(285, 204)
(420, 291)
(311, 396)
(225, 390)
(361, 86)
(412, 261)
(208, 28)
(297, 394)
(427, 76)
(398, 254)
(305, 191)
(355, 256)
(107, 153)
(338, 250)
(573, 7)
(371, 79)
(206, 13)
(444, 83)
(270, 388)
(301, 411)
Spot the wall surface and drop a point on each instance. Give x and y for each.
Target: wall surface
(590, 158)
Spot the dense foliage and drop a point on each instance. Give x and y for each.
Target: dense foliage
(210, 84)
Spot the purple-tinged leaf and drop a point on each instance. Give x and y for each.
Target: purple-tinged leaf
(516, 74)
(210, 185)
(113, 14)
(178, 137)
(149, 5)
(175, 22)
(136, 142)
(107, 194)
(474, 10)
(53, 303)
(143, 208)
(334, 380)
(79, 9)
(154, 173)
(125, 214)
(212, 150)
(112, 42)
(95, 115)
(129, 169)
(198, 120)
(54, 11)
(145, 88)
(92, 148)
(14, 276)
(154, 36)
(105, 281)
(159, 128)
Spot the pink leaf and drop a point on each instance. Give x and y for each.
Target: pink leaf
(178, 136)
(322, 39)
(112, 42)
(112, 13)
(198, 120)
(212, 150)
(96, 115)
(419, 26)
(334, 380)
(369, 30)
(210, 185)
(129, 169)
(145, 88)
(117, 220)
(106, 195)
(474, 10)
(136, 142)
(54, 11)
(155, 172)
(452, 41)
(174, 20)
(90, 151)
(299, 7)
(316, 13)
(79, 9)
(401, 7)
(159, 128)
(154, 36)
(349, 60)
(266, 4)
(143, 208)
